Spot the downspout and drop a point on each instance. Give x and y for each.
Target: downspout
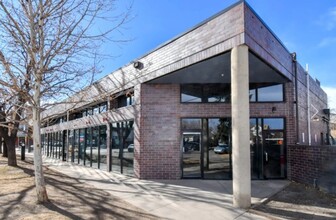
(308, 105)
(296, 98)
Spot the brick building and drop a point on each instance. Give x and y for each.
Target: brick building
(180, 110)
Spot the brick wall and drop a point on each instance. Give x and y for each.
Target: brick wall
(318, 102)
(313, 165)
(159, 154)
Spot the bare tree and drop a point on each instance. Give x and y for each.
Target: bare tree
(53, 48)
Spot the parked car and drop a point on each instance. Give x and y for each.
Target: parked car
(222, 149)
(130, 148)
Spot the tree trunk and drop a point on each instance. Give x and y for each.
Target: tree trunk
(10, 143)
(5, 152)
(41, 190)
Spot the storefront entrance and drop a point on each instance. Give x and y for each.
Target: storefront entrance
(206, 148)
(268, 153)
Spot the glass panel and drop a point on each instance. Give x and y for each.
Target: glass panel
(58, 142)
(103, 107)
(273, 123)
(60, 145)
(217, 92)
(122, 101)
(255, 136)
(96, 110)
(271, 93)
(76, 145)
(128, 148)
(116, 153)
(103, 148)
(191, 123)
(274, 155)
(217, 152)
(54, 144)
(252, 95)
(191, 93)
(64, 145)
(191, 148)
(89, 111)
(71, 148)
(88, 147)
(49, 145)
(95, 146)
(84, 113)
(81, 145)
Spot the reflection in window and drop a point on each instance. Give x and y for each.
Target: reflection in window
(271, 93)
(191, 93)
(116, 153)
(255, 141)
(273, 123)
(125, 100)
(122, 148)
(205, 92)
(252, 95)
(76, 145)
(70, 148)
(103, 149)
(266, 92)
(88, 142)
(95, 146)
(128, 148)
(217, 150)
(81, 145)
(103, 107)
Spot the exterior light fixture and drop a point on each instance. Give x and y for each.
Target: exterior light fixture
(138, 65)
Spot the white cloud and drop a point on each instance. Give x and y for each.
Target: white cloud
(325, 42)
(331, 92)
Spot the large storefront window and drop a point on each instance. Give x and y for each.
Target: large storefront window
(122, 147)
(205, 93)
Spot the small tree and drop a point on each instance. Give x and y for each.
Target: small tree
(53, 47)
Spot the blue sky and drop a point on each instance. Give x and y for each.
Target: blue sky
(305, 27)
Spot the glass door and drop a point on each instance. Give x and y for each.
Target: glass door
(274, 154)
(217, 149)
(191, 154)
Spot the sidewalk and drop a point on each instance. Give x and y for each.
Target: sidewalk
(171, 199)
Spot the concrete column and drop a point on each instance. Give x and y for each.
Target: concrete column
(241, 166)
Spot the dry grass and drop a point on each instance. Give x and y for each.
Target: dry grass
(298, 201)
(69, 198)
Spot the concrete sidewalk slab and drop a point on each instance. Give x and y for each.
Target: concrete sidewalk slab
(172, 199)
